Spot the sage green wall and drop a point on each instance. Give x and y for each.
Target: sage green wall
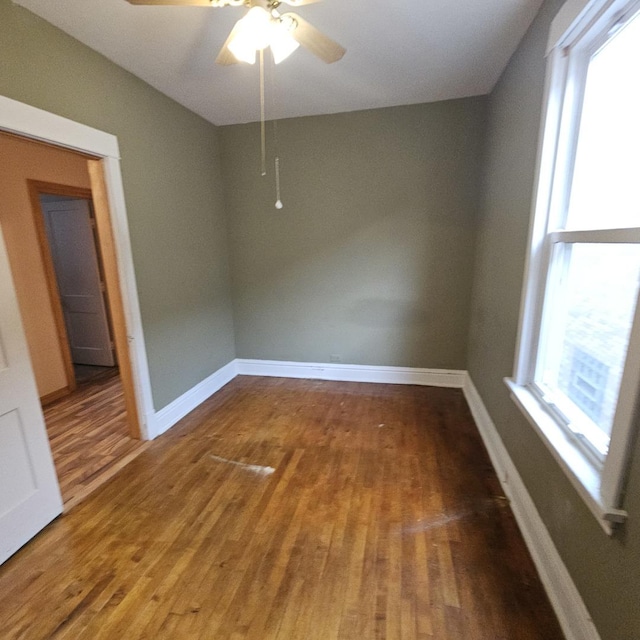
(371, 257)
(171, 173)
(605, 570)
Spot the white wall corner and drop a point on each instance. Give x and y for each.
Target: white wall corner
(572, 613)
(352, 373)
(188, 401)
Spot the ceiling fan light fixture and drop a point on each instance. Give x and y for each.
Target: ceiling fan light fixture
(282, 42)
(252, 33)
(258, 30)
(243, 50)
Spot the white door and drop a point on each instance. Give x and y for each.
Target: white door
(29, 492)
(73, 250)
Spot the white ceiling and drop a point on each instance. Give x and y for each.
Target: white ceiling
(398, 52)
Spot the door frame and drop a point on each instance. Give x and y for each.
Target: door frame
(36, 189)
(103, 161)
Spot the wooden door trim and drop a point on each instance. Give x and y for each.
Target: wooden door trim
(109, 270)
(107, 247)
(36, 188)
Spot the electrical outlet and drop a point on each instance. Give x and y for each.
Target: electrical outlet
(334, 358)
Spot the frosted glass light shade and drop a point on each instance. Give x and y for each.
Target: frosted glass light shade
(258, 30)
(282, 42)
(243, 49)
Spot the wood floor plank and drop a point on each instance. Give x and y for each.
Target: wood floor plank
(382, 519)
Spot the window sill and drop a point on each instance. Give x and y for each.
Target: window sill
(584, 476)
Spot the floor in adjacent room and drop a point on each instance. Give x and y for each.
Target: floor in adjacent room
(89, 435)
(290, 509)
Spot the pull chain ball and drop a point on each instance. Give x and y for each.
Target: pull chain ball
(278, 201)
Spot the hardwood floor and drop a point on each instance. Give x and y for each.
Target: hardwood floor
(89, 436)
(295, 510)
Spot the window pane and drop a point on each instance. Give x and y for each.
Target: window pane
(606, 190)
(586, 333)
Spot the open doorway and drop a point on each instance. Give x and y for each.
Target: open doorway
(87, 423)
(73, 313)
(30, 497)
(65, 222)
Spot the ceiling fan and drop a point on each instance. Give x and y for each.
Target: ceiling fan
(263, 26)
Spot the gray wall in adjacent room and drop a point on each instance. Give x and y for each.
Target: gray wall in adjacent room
(173, 190)
(371, 258)
(605, 570)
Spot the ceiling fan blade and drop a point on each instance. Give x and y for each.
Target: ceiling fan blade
(299, 3)
(314, 40)
(186, 3)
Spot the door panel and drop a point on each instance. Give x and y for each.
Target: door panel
(18, 475)
(29, 493)
(75, 259)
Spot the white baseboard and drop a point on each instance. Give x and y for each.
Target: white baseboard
(160, 421)
(563, 594)
(352, 373)
(188, 401)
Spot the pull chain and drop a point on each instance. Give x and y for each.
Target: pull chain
(263, 136)
(278, 204)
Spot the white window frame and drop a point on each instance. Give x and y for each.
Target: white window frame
(599, 483)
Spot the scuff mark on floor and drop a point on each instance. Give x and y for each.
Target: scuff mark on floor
(253, 468)
(444, 519)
